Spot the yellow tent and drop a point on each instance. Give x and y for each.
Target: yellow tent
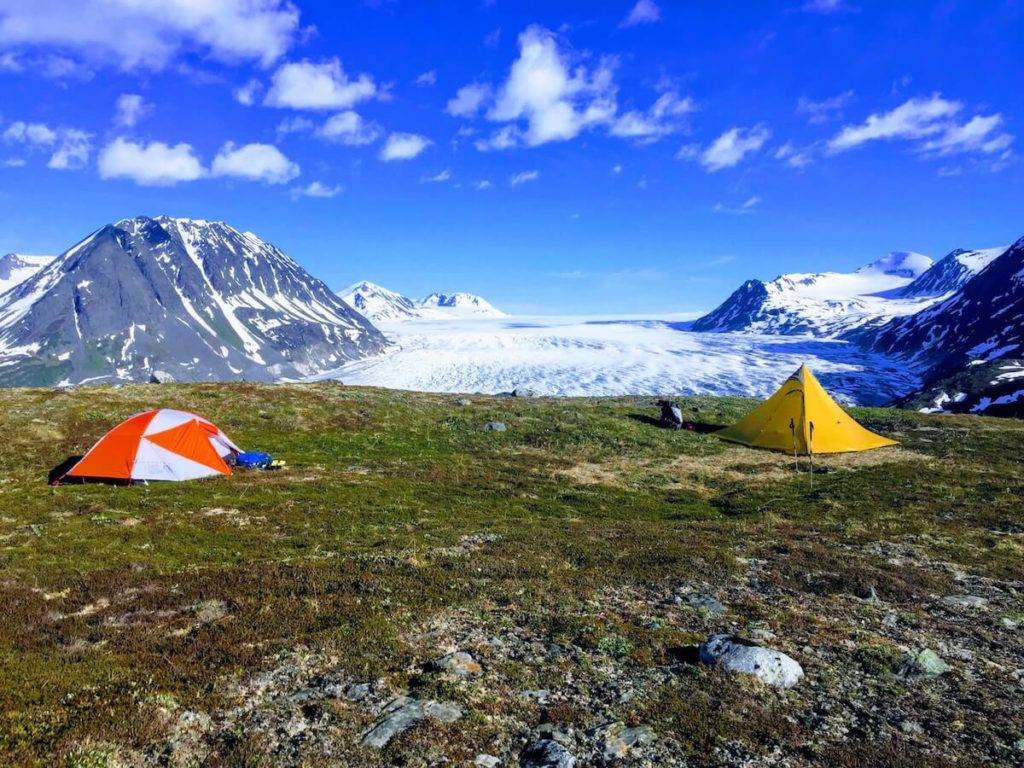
(802, 418)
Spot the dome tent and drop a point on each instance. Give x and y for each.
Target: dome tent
(802, 418)
(163, 444)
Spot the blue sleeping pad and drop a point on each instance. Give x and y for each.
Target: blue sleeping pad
(253, 460)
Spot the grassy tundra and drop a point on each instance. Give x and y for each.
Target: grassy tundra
(579, 557)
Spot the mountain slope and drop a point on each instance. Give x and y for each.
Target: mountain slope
(451, 305)
(951, 272)
(825, 304)
(981, 323)
(377, 303)
(197, 299)
(16, 268)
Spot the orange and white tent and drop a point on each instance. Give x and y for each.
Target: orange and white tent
(157, 445)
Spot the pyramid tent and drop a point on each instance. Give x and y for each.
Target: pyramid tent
(156, 445)
(802, 418)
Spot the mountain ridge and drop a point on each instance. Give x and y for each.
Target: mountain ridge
(195, 298)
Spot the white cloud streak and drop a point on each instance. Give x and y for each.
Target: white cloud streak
(644, 12)
(729, 149)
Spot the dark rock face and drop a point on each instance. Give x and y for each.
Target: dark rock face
(195, 299)
(983, 320)
(735, 313)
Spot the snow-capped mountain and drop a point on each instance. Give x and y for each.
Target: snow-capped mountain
(824, 304)
(951, 272)
(981, 323)
(16, 268)
(382, 305)
(196, 299)
(378, 304)
(443, 305)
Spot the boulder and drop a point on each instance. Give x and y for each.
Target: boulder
(460, 664)
(546, 753)
(160, 377)
(495, 426)
(734, 654)
(523, 392)
(923, 662)
(617, 741)
(402, 714)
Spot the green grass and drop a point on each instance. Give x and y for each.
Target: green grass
(347, 547)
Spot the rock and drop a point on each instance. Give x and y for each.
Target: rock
(923, 662)
(463, 402)
(460, 664)
(616, 740)
(356, 692)
(486, 761)
(546, 753)
(1012, 622)
(735, 654)
(523, 392)
(973, 602)
(495, 426)
(402, 714)
(540, 695)
(160, 377)
(705, 604)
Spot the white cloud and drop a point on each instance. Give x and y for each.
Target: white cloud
(131, 108)
(71, 147)
(913, 119)
(644, 12)
(35, 134)
(246, 94)
(485, 184)
(427, 79)
(503, 138)
(556, 102)
(404, 146)
(297, 124)
(662, 119)
(14, 162)
(976, 135)
(747, 206)
(254, 162)
(827, 109)
(731, 147)
(9, 62)
(350, 129)
(134, 34)
(307, 85)
(468, 100)
(522, 178)
(318, 190)
(153, 164)
(617, 169)
(438, 178)
(72, 154)
(796, 158)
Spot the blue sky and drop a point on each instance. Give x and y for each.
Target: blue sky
(625, 157)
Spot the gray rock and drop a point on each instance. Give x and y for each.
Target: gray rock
(463, 402)
(923, 662)
(486, 761)
(546, 753)
(740, 656)
(523, 392)
(540, 695)
(704, 603)
(460, 664)
(973, 602)
(160, 377)
(495, 426)
(402, 714)
(617, 741)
